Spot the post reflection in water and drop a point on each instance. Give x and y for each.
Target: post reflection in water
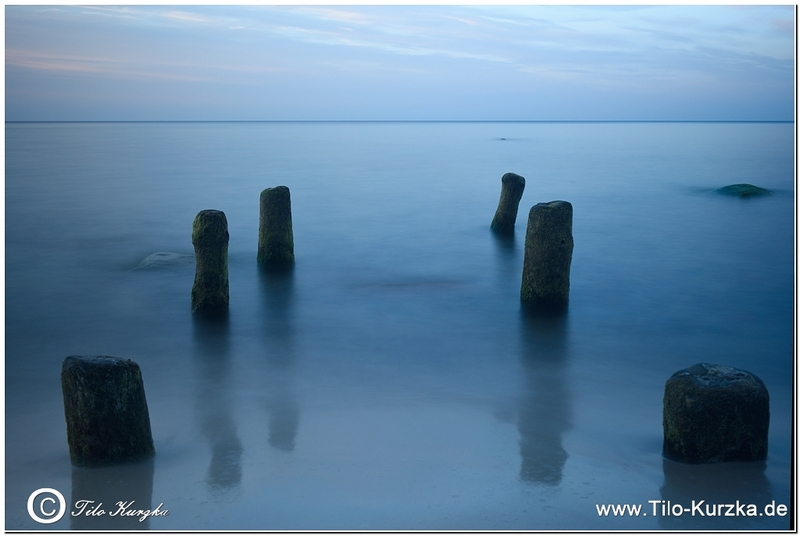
(282, 407)
(506, 248)
(131, 484)
(545, 409)
(212, 356)
(716, 484)
(508, 263)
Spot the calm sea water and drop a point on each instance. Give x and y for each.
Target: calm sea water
(391, 382)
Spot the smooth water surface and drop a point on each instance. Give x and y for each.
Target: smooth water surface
(391, 381)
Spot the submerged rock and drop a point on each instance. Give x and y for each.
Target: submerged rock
(715, 413)
(106, 411)
(743, 190)
(165, 259)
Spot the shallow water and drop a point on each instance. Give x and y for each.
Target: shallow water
(391, 381)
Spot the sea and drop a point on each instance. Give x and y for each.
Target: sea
(391, 380)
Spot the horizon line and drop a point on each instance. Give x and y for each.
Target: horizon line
(407, 121)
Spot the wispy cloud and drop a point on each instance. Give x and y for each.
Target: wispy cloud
(114, 67)
(321, 37)
(185, 16)
(516, 49)
(332, 14)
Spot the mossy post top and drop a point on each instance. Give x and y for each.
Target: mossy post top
(512, 180)
(710, 376)
(209, 227)
(97, 362)
(550, 210)
(281, 192)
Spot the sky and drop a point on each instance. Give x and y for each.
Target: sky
(380, 62)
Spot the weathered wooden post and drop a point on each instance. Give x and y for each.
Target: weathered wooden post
(275, 238)
(210, 239)
(106, 411)
(511, 192)
(715, 413)
(548, 256)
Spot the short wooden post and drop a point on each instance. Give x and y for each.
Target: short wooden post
(106, 411)
(715, 413)
(275, 238)
(210, 239)
(548, 257)
(506, 215)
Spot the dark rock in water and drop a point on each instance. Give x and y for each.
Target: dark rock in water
(743, 190)
(275, 237)
(715, 413)
(548, 257)
(511, 192)
(210, 295)
(106, 411)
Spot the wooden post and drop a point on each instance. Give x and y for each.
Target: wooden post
(506, 215)
(106, 411)
(275, 238)
(210, 238)
(715, 413)
(548, 256)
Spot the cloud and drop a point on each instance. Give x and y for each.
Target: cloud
(114, 67)
(472, 53)
(184, 16)
(376, 39)
(331, 14)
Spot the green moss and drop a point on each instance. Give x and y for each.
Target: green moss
(743, 190)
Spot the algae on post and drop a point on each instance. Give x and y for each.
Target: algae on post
(743, 190)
